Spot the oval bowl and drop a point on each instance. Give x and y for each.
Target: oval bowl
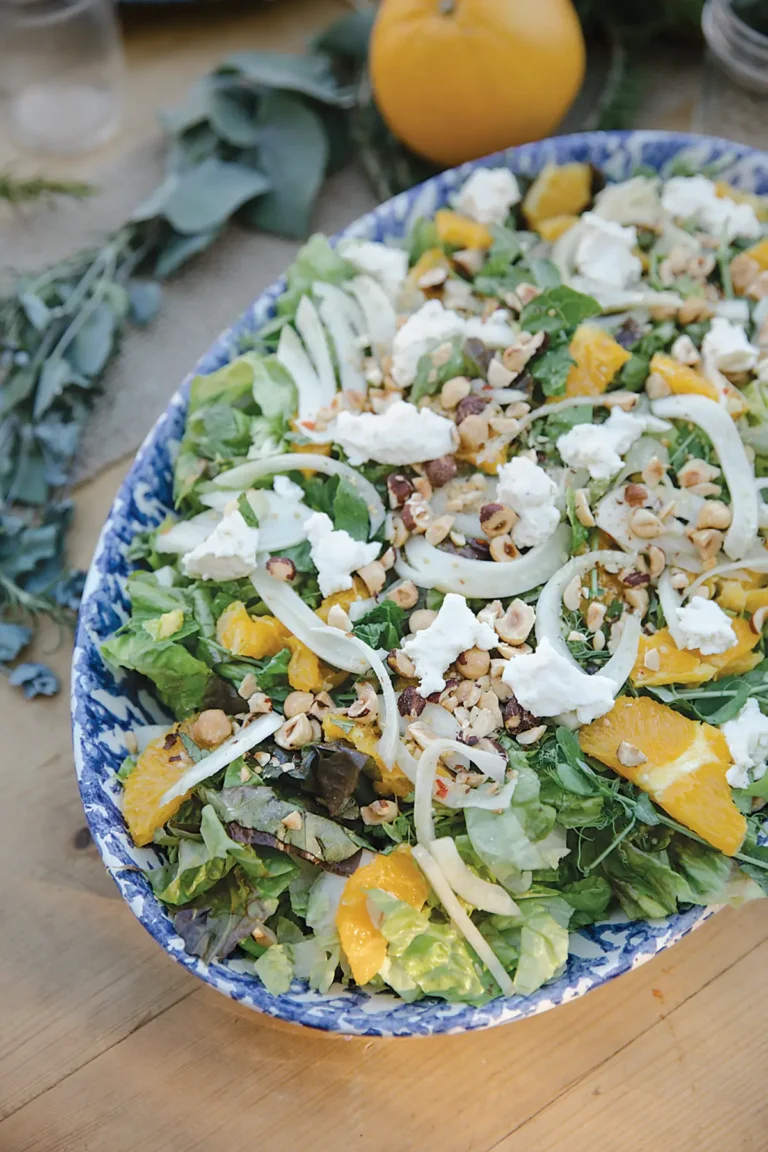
(104, 706)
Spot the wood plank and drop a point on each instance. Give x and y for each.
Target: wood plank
(696, 1079)
(207, 1075)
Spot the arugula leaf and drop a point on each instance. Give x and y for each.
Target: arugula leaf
(301, 556)
(557, 309)
(179, 677)
(505, 250)
(551, 369)
(350, 511)
(218, 432)
(383, 626)
(430, 377)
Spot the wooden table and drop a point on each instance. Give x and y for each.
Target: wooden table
(106, 1045)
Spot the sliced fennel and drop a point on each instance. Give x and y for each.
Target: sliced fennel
(310, 328)
(245, 739)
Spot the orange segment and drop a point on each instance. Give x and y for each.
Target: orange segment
(759, 252)
(427, 262)
(365, 737)
(488, 459)
(563, 190)
(757, 598)
(554, 227)
(157, 769)
(344, 599)
(682, 379)
(254, 636)
(732, 596)
(461, 231)
(689, 666)
(598, 358)
(364, 946)
(684, 770)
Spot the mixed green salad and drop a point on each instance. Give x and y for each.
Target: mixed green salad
(461, 609)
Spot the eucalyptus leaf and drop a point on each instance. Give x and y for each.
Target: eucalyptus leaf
(347, 36)
(177, 249)
(35, 310)
(54, 377)
(294, 153)
(144, 298)
(94, 341)
(195, 108)
(13, 638)
(204, 197)
(309, 75)
(233, 116)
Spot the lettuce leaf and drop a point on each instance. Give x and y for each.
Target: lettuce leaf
(316, 260)
(383, 626)
(180, 678)
(533, 944)
(350, 511)
(214, 924)
(275, 969)
(273, 388)
(424, 957)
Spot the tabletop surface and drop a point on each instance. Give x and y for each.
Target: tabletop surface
(106, 1045)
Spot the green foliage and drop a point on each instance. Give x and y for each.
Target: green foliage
(383, 626)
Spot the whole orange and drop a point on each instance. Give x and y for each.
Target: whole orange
(456, 79)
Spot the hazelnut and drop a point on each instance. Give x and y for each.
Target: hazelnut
(653, 472)
(518, 719)
(595, 615)
(656, 561)
(416, 513)
(401, 664)
(469, 260)
(259, 704)
(454, 391)
(421, 619)
(321, 705)
(471, 405)
(439, 529)
(645, 524)
(297, 703)
(293, 821)
(410, 702)
(281, 568)
(638, 599)
(514, 627)
(432, 278)
(338, 618)
(473, 432)
(685, 351)
(633, 577)
(503, 549)
(405, 595)
(379, 812)
(629, 755)
(706, 489)
(652, 660)
(248, 686)
(744, 271)
(693, 309)
(497, 519)
(713, 514)
(572, 594)
(598, 641)
(708, 542)
(211, 728)
(582, 509)
(516, 356)
(491, 612)
(635, 495)
(423, 487)
(498, 376)
(696, 471)
(656, 387)
(387, 559)
(399, 533)
(399, 488)
(467, 693)
(366, 708)
(297, 732)
(441, 470)
(532, 735)
(757, 619)
(473, 663)
(373, 576)
(679, 580)
(526, 292)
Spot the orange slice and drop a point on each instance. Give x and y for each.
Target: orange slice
(689, 666)
(554, 227)
(461, 231)
(598, 358)
(261, 636)
(157, 769)
(682, 379)
(364, 946)
(684, 767)
(558, 190)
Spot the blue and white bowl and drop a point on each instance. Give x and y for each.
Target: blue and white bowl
(105, 707)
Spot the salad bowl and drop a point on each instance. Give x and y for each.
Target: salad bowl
(106, 705)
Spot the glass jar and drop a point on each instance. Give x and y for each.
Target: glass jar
(62, 64)
(734, 93)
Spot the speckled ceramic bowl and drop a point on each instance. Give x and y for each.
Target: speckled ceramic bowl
(105, 707)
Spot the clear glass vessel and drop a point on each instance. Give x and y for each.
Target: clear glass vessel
(62, 64)
(734, 95)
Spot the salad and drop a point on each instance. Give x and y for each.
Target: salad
(461, 609)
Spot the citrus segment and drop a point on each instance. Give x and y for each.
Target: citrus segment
(364, 946)
(461, 231)
(680, 378)
(598, 358)
(689, 666)
(562, 190)
(254, 636)
(344, 599)
(157, 769)
(683, 769)
(554, 227)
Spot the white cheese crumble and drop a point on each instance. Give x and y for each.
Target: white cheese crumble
(705, 627)
(547, 684)
(531, 493)
(695, 198)
(227, 553)
(401, 434)
(287, 489)
(727, 347)
(336, 554)
(634, 201)
(599, 447)
(747, 737)
(387, 265)
(454, 630)
(488, 195)
(433, 325)
(604, 252)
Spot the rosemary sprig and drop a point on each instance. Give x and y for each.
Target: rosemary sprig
(24, 190)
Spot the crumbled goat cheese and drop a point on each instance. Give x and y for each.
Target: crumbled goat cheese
(488, 195)
(286, 489)
(600, 447)
(695, 198)
(604, 252)
(747, 737)
(336, 554)
(634, 201)
(727, 347)
(227, 553)
(454, 630)
(401, 434)
(547, 684)
(705, 627)
(387, 265)
(531, 493)
(433, 325)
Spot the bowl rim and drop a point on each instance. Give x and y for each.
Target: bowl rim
(343, 1016)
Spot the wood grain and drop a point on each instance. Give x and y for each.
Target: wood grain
(106, 1045)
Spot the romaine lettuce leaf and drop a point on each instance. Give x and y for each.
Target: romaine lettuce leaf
(180, 678)
(275, 969)
(533, 944)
